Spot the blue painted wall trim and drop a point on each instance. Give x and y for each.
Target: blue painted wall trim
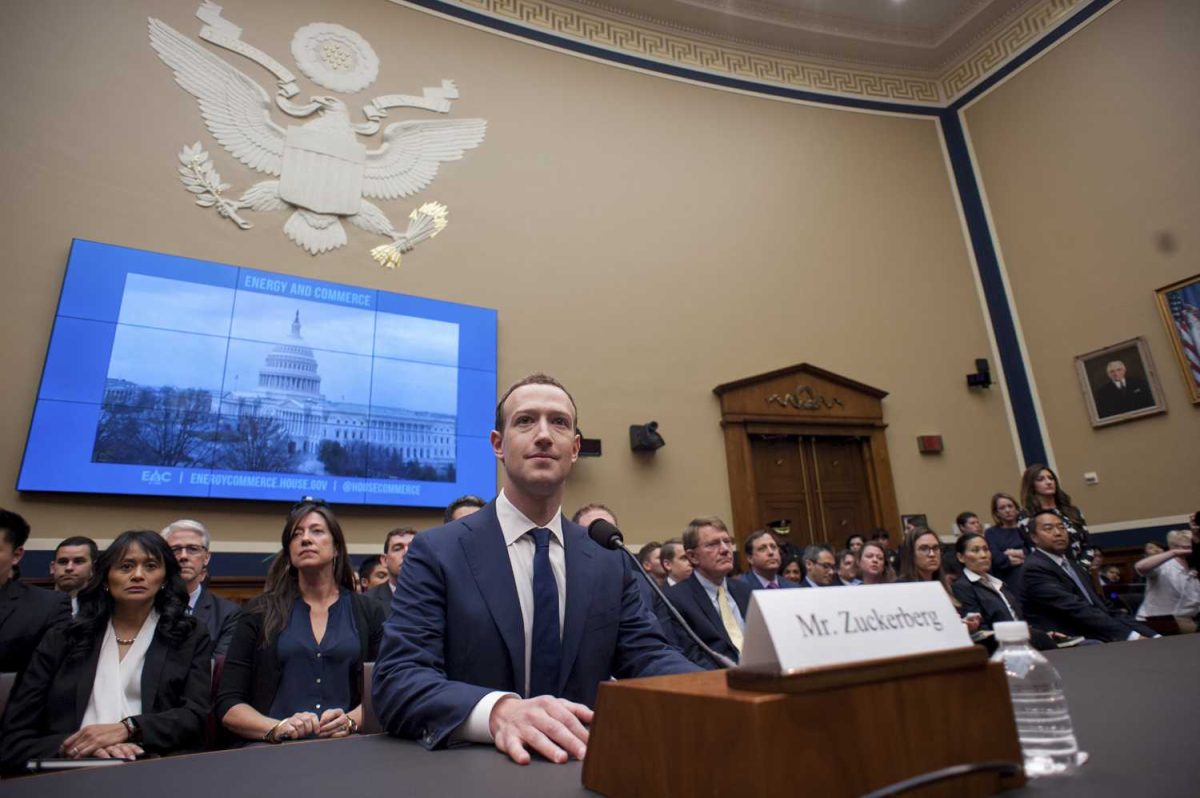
(1020, 392)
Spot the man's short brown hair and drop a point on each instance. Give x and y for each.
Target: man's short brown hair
(534, 379)
(691, 535)
(397, 532)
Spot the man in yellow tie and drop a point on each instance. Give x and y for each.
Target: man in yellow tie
(712, 603)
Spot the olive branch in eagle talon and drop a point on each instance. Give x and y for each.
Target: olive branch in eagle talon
(201, 178)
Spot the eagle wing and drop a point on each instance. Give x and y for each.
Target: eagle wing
(236, 110)
(408, 159)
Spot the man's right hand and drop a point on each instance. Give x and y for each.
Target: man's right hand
(554, 727)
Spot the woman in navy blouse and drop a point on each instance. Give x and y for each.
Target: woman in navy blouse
(295, 662)
(1006, 541)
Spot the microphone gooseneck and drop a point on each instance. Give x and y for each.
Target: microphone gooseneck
(607, 535)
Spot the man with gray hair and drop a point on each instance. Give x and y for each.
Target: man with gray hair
(189, 541)
(818, 566)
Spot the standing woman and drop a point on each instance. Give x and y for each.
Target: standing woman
(128, 675)
(1040, 491)
(873, 567)
(294, 665)
(1006, 541)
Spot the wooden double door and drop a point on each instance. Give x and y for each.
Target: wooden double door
(822, 483)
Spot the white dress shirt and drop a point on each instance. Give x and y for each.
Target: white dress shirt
(711, 589)
(995, 584)
(515, 526)
(1171, 589)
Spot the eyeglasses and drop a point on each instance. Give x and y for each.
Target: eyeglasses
(828, 566)
(928, 549)
(192, 549)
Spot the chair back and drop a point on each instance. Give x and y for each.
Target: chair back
(370, 722)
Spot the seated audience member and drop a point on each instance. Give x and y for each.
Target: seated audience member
(854, 543)
(650, 556)
(1057, 594)
(792, 571)
(920, 556)
(372, 573)
(847, 568)
(129, 675)
(294, 666)
(873, 565)
(713, 604)
(588, 513)
(26, 612)
(1171, 584)
(967, 523)
(395, 548)
(189, 542)
(883, 537)
(1110, 575)
(1153, 547)
(462, 507)
(980, 593)
(819, 566)
(515, 577)
(675, 563)
(72, 565)
(1007, 541)
(762, 552)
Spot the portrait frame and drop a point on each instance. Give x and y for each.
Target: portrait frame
(1142, 395)
(1179, 306)
(915, 519)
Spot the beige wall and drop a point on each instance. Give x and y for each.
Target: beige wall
(1087, 156)
(643, 239)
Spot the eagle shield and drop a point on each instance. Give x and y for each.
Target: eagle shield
(322, 170)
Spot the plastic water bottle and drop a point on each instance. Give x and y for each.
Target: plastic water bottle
(1043, 722)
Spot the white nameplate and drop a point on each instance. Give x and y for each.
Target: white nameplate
(803, 629)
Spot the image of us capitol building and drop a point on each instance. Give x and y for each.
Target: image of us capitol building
(284, 423)
(289, 391)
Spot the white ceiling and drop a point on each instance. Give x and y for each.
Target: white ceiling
(919, 35)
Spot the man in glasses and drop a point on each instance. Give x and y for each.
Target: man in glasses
(189, 540)
(505, 622)
(819, 566)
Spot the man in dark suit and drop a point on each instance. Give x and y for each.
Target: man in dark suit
(395, 547)
(72, 566)
(762, 552)
(1057, 594)
(505, 622)
(1122, 394)
(714, 605)
(26, 613)
(819, 566)
(190, 541)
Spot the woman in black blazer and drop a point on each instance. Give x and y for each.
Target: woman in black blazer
(129, 675)
(294, 665)
(979, 592)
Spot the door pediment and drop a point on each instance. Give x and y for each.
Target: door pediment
(803, 392)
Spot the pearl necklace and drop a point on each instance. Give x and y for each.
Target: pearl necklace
(123, 642)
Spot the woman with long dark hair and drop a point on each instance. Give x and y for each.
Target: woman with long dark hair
(1006, 541)
(294, 665)
(129, 675)
(1041, 490)
(920, 556)
(981, 593)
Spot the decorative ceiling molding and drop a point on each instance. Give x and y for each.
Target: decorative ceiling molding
(599, 25)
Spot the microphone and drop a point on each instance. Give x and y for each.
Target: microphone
(608, 536)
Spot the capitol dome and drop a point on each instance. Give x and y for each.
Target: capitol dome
(291, 367)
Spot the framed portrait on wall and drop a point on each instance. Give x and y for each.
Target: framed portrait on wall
(1119, 383)
(1179, 304)
(913, 521)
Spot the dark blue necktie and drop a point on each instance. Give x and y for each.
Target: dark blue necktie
(545, 653)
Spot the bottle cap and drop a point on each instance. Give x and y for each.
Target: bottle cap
(1011, 631)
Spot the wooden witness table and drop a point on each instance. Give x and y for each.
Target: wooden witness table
(1136, 708)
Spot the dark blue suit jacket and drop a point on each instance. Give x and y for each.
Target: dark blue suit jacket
(455, 632)
(752, 581)
(693, 603)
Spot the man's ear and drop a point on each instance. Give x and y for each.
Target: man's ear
(497, 445)
(18, 553)
(575, 444)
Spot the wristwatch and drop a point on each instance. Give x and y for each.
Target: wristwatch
(134, 730)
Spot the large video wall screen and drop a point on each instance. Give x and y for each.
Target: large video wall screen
(168, 376)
